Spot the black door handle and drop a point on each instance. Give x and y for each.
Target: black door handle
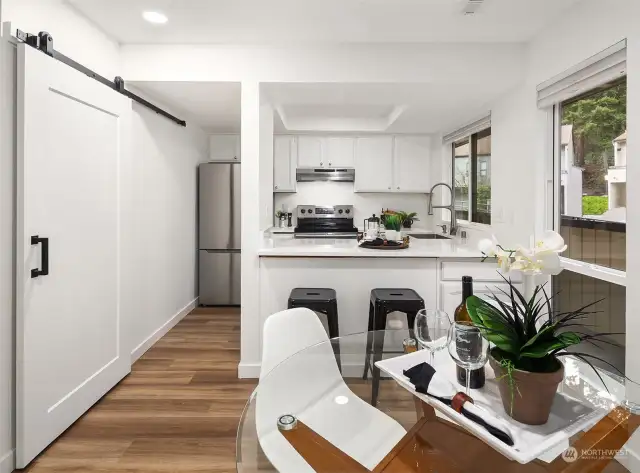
(45, 256)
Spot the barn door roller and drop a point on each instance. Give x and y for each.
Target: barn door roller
(43, 41)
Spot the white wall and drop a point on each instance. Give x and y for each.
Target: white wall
(160, 241)
(341, 193)
(73, 35)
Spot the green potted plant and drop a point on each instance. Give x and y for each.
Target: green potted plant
(392, 225)
(408, 218)
(282, 217)
(529, 338)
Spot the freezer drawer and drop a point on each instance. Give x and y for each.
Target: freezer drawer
(219, 278)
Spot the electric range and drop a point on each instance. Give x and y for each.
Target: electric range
(319, 221)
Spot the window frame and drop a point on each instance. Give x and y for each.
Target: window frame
(472, 139)
(596, 271)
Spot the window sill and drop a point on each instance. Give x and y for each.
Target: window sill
(473, 225)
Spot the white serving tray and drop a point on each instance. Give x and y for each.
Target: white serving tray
(579, 404)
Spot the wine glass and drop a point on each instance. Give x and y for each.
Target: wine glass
(468, 348)
(431, 328)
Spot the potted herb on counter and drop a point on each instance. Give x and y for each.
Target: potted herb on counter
(529, 337)
(282, 217)
(392, 225)
(408, 218)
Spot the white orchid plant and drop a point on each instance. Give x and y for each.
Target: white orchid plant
(542, 258)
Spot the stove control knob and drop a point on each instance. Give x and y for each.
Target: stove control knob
(302, 211)
(340, 211)
(310, 211)
(348, 211)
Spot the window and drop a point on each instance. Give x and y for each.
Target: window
(472, 177)
(590, 213)
(593, 175)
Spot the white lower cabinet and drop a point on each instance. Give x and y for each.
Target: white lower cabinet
(451, 293)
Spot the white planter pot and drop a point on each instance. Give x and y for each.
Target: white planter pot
(392, 235)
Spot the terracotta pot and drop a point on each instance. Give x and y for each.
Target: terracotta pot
(534, 393)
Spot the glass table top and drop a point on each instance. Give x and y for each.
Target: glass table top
(332, 401)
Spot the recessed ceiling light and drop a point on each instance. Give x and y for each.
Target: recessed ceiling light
(155, 17)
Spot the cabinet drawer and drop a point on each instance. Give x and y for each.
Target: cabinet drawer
(451, 294)
(487, 271)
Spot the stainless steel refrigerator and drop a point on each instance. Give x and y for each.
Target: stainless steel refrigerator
(219, 233)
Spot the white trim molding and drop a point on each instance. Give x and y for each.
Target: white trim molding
(140, 350)
(613, 276)
(467, 130)
(604, 67)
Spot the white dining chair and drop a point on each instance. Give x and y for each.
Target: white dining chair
(299, 376)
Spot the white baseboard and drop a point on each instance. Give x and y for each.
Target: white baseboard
(162, 331)
(248, 370)
(8, 462)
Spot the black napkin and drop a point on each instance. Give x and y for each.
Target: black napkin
(422, 377)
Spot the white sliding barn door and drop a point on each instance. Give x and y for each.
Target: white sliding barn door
(71, 145)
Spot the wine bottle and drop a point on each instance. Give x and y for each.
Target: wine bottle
(477, 379)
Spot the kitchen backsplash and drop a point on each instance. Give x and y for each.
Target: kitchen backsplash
(341, 193)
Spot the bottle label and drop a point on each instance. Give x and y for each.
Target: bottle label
(468, 344)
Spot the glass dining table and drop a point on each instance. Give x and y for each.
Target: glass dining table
(313, 413)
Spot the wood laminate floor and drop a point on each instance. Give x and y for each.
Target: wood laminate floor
(178, 410)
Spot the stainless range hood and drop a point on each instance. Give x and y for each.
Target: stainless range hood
(325, 174)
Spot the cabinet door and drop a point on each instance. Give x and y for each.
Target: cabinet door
(451, 294)
(284, 164)
(340, 151)
(311, 151)
(374, 164)
(412, 164)
(224, 148)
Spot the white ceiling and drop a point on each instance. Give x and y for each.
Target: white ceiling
(391, 108)
(331, 107)
(214, 106)
(277, 21)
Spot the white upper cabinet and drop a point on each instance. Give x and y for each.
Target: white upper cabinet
(311, 151)
(340, 152)
(285, 157)
(374, 164)
(325, 151)
(224, 148)
(412, 163)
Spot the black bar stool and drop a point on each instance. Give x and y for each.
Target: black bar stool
(321, 300)
(381, 304)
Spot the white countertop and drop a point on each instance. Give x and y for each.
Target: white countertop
(310, 247)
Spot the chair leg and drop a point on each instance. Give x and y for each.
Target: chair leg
(380, 323)
(334, 331)
(369, 342)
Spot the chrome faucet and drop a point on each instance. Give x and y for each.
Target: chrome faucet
(453, 226)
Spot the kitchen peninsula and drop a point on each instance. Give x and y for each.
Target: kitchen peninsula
(434, 268)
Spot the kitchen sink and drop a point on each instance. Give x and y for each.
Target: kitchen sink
(429, 236)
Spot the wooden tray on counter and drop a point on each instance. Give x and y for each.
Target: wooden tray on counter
(367, 245)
